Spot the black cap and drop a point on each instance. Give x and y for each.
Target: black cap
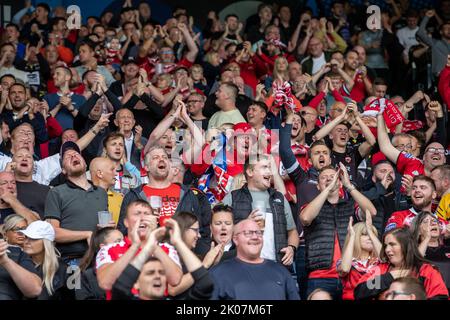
(68, 145)
(129, 60)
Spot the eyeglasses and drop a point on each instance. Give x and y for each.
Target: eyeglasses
(17, 229)
(393, 294)
(250, 233)
(304, 113)
(166, 52)
(403, 146)
(193, 101)
(196, 230)
(436, 150)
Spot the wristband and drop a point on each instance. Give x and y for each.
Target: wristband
(293, 247)
(351, 189)
(93, 131)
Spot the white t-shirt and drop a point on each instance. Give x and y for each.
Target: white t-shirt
(407, 38)
(129, 145)
(318, 63)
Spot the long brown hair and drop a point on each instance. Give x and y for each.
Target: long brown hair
(412, 259)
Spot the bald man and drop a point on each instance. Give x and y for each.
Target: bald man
(269, 281)
(103, 172)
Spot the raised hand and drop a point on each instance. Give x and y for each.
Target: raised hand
(350, 229)
(212, 255)
(345, 178)
(137, 134)
(407, 182)
(103, 122)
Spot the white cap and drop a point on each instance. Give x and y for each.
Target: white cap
(40, 230)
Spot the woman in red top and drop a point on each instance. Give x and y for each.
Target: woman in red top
(402, 258)
(360, 255)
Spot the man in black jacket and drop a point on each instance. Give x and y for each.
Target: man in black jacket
(258, 201)
(175, 197)
(325, 221)
(150, 274)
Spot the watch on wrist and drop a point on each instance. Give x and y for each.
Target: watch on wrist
(293, 247)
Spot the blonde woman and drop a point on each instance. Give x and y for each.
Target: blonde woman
(360, 255)
(12, 226)
(280, 69)
(39, 245)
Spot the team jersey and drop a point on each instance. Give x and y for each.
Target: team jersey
(358, 269)
(170, 197)
(408, 164)
(404, 218)
(400, 219)
(111, 253)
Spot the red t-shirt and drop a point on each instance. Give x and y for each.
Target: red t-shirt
(408, 164)
(170, 199)
(329, 273)
(358, 92)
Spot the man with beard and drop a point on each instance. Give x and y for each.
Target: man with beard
(384, 192)
(113, 259)
(338, 131)
(269, 280)
(127, 175)
(103, 173)
(72, 207)
(325, 222)
(174, 197)
(89, 62)
(361, 82)
(423, 192)
(274, 217)
(21, 112)
(406, 163)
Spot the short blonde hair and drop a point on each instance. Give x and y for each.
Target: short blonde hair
(360, 229)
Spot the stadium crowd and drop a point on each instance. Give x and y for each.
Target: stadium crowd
(295, 154)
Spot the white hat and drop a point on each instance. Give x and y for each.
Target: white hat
(40, 230)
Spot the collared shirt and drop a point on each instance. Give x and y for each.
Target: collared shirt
(76, 209)
(129, 145)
